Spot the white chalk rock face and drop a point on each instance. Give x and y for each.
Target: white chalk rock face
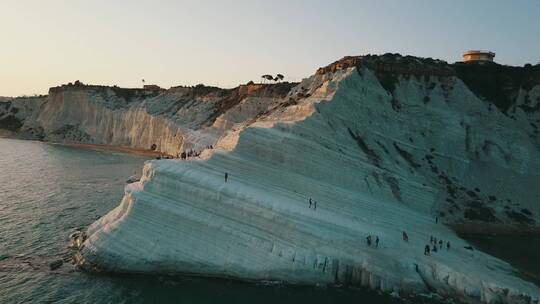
(170, 121)
(373, 163)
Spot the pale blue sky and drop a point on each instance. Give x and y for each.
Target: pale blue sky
(47, 43)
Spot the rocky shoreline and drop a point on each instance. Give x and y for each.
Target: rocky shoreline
(119, 149)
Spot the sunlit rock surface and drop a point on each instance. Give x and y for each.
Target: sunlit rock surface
(381, 149)
(170, 121)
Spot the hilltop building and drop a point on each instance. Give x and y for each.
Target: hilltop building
(478, 56)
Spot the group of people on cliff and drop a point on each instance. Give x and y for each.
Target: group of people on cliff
(192, 153)
(435, 245)
(370, 241)
(375, 241)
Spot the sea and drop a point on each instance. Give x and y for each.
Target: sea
(48, 192)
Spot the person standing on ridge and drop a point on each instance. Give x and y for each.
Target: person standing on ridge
(448, 245)
(314, 205)
(377, 241)
(310, 202)
(426, 250)
(226, 176)
(405, 236)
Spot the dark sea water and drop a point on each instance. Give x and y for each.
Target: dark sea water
(520, 251)
(48, 192)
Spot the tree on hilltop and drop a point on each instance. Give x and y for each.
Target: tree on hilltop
(267, 77)
(279, 77)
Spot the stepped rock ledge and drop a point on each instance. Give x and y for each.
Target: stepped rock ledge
(382, 144)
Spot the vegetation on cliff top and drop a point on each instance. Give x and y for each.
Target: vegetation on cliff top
(495, 83)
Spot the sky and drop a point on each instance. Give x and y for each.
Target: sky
(225, 43)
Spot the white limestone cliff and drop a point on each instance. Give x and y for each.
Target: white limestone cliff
(376, 162)
(170, 121)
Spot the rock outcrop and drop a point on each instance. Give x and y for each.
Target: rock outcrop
(358, 149)
(14, 112)
(369, 145)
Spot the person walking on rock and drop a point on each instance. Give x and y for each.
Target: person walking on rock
(226, 176)
(405, 236)
(368, 239)
(310, 202)
(440, 244)
(426, 250)
(448, 245)
(377, 241)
